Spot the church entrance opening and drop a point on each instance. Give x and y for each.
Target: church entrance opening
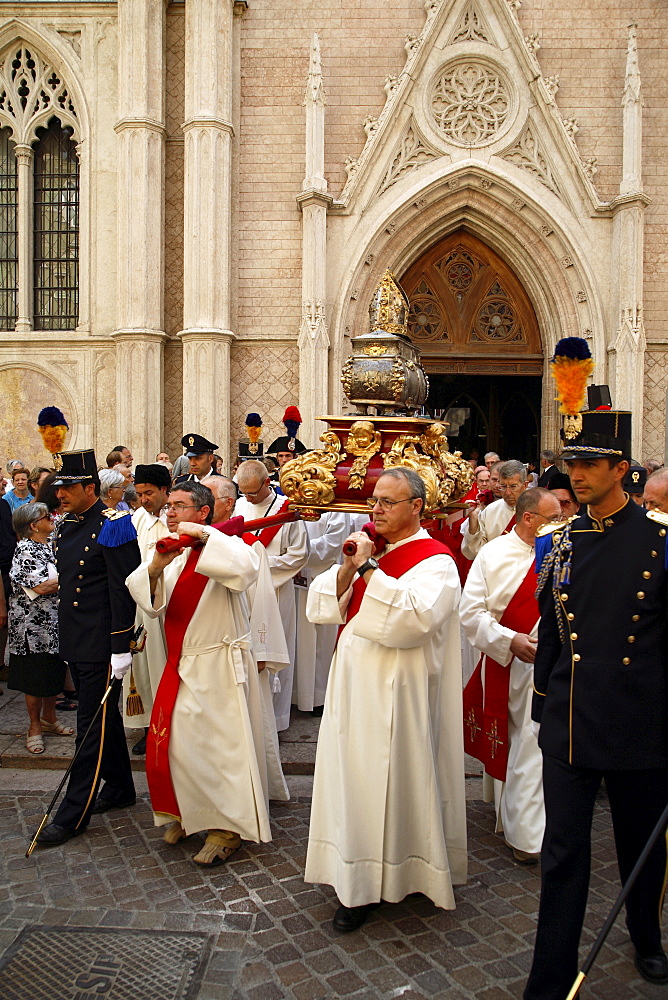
(480, 344)
(483, 413)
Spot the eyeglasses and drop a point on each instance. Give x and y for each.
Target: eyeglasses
(512, 487)
(253, 493)
(568, 503)
(178, 507)
(387, 505)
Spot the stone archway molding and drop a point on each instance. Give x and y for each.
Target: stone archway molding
(549, 255)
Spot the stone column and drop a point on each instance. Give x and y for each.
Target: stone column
(24, 161)
(627, 351)
(141, 136)
(207, 224)
(314, 201)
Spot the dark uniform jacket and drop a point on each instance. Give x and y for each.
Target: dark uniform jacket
(601, 696)
(95, 610)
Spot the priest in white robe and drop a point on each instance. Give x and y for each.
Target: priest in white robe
(315, 643)
(484, 524)
(206, 748)
(287, 550)
(388, 815)
(152, 483)
(499, 616)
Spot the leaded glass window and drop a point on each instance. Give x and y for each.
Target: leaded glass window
(8, 232)
(56, 214)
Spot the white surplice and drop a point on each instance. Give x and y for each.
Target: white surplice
(218, 746)
(495, 576)
(148, 665)
(287, 553)
(492, 522)
(388, 815)
(315, 643)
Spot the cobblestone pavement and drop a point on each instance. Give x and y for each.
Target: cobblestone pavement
(271, 933)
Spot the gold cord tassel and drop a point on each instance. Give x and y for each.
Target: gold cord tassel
(133, 703)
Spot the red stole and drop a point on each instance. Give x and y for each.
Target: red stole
(266, 535)
(486, 713)
(509, 527)
(180, 610)
(395, 564)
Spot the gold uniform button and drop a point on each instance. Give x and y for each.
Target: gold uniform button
(574, 635)
(81, 562)
(80, 577)
(654, 553)
(662, 533)
(635, 618)
(570, 616)
(640, 595)
(646, 575)
(78, 590)
(631, 638)
(564, 597)
(86, 549)
(626, 661)
(75, 604)
(93, 536)
(576, 657)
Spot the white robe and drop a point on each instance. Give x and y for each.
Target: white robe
(388, 815)
(492, 522)
(148, 665)
(315, 643)
(287, 553)
(495, 576)
(218, 746)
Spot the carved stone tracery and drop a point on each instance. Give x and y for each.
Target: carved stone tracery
(527, 153)
(412, 152)
(470, 103)
(30, 91)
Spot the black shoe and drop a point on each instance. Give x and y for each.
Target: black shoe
(104, 805)
(317, 711)
(52, 835)
(139, 749)
(653, 968)
(349, 918)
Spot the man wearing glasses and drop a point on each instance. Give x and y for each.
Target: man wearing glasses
(388, 816)
(499, 518)
(499, 615)
(560, 486)
(287, 550)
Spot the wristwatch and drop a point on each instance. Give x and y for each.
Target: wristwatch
(371, 563)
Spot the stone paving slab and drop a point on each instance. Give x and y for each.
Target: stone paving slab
(273, 936)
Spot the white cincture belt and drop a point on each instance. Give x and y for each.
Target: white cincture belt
(234, 648)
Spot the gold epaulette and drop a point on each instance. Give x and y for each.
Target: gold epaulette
(659, 516)
(552, 526)
(114, 514)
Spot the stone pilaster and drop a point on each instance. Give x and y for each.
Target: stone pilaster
(24, 166)
(627, 352)
(314, 201)
(208, 133)
(141, 136)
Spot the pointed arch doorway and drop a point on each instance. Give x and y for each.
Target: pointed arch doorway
(481, 348)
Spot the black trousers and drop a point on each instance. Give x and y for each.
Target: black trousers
(637, 799)
(105, 753)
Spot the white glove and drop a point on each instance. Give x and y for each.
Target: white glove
(120, 664)
(535, 728)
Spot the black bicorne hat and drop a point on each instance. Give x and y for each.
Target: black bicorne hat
(156, 475)
(76, 467)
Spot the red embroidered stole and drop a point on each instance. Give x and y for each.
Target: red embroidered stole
(486, 712)
(395, 564)
(180, 610)
(267, 535)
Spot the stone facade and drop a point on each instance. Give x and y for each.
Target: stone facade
(249, 170)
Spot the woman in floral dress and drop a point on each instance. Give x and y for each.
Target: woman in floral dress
(34, 664)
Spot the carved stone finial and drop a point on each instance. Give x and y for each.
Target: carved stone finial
(315, 92)
(632, 77)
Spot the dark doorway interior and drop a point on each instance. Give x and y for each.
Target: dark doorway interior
(489, 413)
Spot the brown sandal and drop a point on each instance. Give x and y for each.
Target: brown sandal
(214, 853)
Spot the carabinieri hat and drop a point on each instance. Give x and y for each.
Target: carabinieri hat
(251, 446)
(195, 444)
(585, 433)
(289, 442)
(635, 479)
(76, 467)
(154, 475)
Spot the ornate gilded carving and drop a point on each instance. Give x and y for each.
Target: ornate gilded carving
(374, 350)
(397, 380)
(389, 307)
(347, 376)
(309, 479)
(447, 475)
(364, 441)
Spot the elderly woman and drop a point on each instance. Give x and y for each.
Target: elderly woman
(34, 664)
(112, 487)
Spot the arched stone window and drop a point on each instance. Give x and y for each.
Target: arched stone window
(39, 130)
